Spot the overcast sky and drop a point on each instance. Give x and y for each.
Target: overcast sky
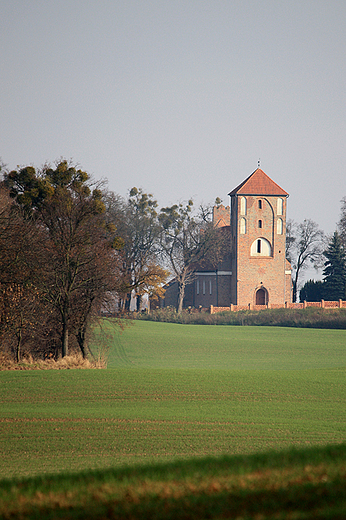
(181, 98)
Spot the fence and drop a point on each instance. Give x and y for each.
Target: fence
(323, 304)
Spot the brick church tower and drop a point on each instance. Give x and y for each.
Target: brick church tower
(261, 274)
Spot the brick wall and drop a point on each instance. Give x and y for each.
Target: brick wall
(253, 271)
(301, 305)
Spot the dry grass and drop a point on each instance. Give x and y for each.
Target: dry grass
(68, 362)
(304, 484)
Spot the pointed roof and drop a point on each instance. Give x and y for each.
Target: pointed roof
(258, 183)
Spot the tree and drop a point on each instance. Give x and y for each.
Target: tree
(334, 273)
(137, 223)
(312, 291)
(70, 215)
(21, 309)
(187, 240)
(342, 223)
(304, 246)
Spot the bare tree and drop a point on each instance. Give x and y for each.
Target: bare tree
(136, 221)
(20, 303)
(70, 216)
(188, 240)
(304, 247)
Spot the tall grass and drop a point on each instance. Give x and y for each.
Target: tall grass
(300, 484)
(310, 317)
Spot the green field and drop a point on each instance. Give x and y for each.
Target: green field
(177, 391)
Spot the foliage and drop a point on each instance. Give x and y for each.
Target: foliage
(342, 223)
(137, 224)
(311, 317)
(312, 291)
(74, 266)
(334, 273)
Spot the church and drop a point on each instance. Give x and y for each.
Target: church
(254, 271)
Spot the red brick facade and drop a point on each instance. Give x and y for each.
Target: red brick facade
(261, 274)
(254, 270)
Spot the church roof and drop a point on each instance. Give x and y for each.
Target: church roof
(258, 183)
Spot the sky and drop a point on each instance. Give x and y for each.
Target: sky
(180, 98)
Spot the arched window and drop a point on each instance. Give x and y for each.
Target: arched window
(242, 227)
(279, 226)
(260, 224)
(243, 206)
(260, 247)
(260, 204)
(280, 207)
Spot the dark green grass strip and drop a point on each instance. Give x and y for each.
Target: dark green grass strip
(300, 484)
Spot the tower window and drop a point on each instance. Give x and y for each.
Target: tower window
(260, 204)
(260, 247)
(260, 223)
(242, 227)
(280, 207)
(243, 206)
(279, 226)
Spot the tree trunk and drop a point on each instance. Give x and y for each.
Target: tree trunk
(181, 294)
(19, 343)
(81, 342)
(64, 349)
(294, 291)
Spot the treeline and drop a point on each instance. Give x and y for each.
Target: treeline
(72, 250)
(307, 245)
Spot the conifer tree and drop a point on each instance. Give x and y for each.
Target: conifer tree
(334, 272)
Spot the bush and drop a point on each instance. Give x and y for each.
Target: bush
(310, 317)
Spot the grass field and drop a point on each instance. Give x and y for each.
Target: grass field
(177, 391)
(306, 484)
(198, 407)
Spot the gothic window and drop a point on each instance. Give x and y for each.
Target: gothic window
(243, 206)
(260, 224)
(280, 207)
(260, 247)
(242, 228)
(260, 204)
(279, 226)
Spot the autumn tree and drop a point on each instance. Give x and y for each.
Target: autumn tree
(136, 220)
(187, 240)
(68, 210)
(304, 247)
